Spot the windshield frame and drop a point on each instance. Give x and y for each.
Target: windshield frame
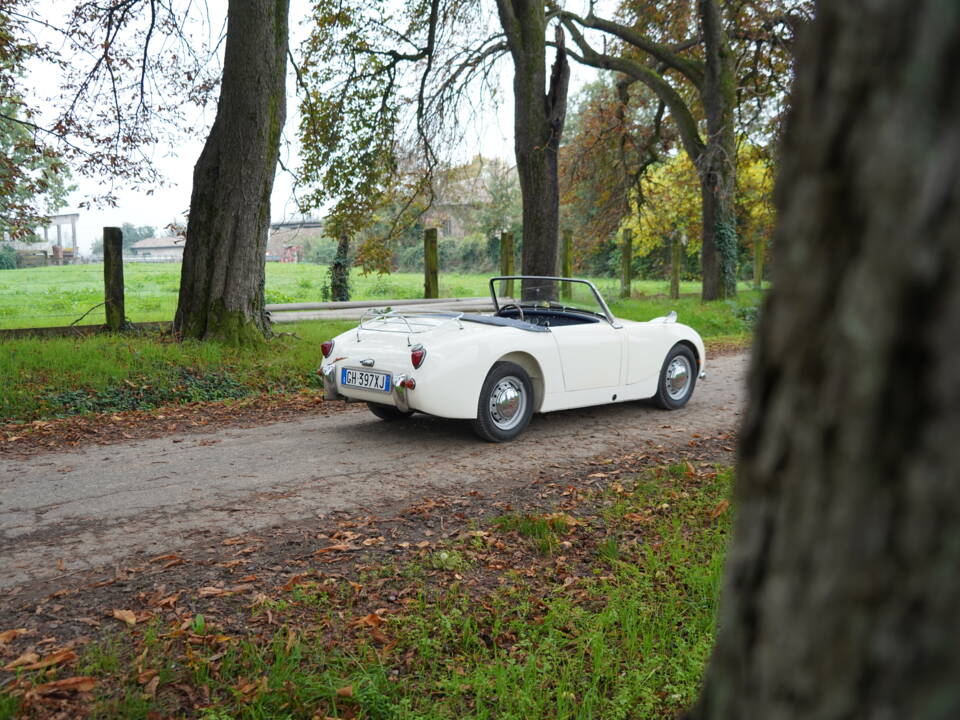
(593, 288)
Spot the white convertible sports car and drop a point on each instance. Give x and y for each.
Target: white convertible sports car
(557, 348)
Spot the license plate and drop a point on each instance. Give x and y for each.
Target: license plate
(365, 379)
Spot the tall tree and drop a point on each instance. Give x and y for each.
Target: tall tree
(537, 127)
(222, 277)
(842, 587)
(688, 59)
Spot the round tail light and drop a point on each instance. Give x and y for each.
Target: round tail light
(326, 348)
(417, 355)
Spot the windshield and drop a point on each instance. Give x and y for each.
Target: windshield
(545, 292)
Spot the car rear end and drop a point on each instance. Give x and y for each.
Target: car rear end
(407, 362)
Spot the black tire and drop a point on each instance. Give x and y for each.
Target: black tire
(387, 412)
(679, 360)
(504, 378)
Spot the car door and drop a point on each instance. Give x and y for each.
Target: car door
(591, 355)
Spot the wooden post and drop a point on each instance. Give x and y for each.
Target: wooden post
(507, 263)
(113, 277)
(431, 263)
(676, 257)
(566, 265)
(626, 262)
(759, 249)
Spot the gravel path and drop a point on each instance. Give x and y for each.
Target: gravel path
(74, 511)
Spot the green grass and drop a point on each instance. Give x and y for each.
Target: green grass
(53, 296)
(601, 634)
(49, 377)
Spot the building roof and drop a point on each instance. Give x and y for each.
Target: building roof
(161, 243)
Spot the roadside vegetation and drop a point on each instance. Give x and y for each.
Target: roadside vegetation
(602, 607)
(53, 377)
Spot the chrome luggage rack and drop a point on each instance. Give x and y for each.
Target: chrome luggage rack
(408, 323)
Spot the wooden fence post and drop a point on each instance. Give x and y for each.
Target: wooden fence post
(566, 264)
(431, 263)
(113, 278)
(626, 262)
(507, 264)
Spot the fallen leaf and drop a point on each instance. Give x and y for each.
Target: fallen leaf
(126, 616)
(372, 620)
(27, 658)
(70, 684)
(720, 509)
(146, 676)
(332, 548)
(168, 561)
(568, 520)
(53, 659)
(150, 689)
(233, 541)
(295, 580)
(212, 592)
(345, 692)
(8, 635)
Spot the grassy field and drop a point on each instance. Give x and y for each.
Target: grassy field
(605, 612)
(53, 296)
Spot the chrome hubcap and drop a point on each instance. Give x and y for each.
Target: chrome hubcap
(508, 403)
(678, 377)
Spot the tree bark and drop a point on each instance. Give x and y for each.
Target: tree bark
(538, 126)
(842, 589)
(340, 271)
(717, 164)
(222, 278)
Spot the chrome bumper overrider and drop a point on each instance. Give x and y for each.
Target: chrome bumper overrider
(703, 375)
(400, 398)
(329, 373)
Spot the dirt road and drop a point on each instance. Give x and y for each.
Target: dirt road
(73, 511)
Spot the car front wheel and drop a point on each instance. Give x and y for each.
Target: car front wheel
(506, 403)
(678, 376)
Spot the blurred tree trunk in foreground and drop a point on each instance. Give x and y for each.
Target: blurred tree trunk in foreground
(842, 583)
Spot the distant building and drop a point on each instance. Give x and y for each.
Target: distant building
(163, 248)
(286, 244)
(58, 250)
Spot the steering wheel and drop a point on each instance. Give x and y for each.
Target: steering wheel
(511, 305)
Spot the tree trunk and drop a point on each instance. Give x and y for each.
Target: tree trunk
(717, 163)
(842, 586)
(221, 281)
(340, 271)
(538, 126)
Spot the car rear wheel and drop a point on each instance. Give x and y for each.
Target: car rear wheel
(506, 403)
(678, 376)
(387, 412)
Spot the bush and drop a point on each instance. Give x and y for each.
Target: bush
(8, 258)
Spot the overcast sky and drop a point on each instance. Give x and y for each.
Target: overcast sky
(492, 135)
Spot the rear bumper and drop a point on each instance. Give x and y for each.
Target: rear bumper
(399, 395)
